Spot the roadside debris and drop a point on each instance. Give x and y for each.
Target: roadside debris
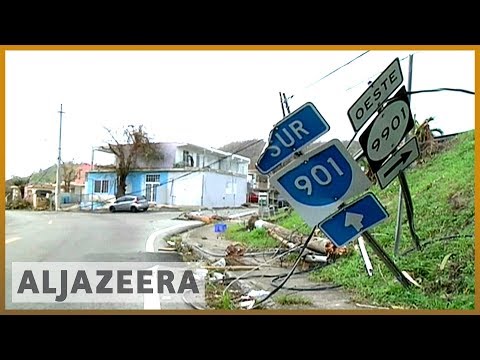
(203, 218)
(290, 239)
(235, 250)
(220, 263)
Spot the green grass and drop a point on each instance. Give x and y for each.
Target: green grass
(442, 191)
(443, 199)
(292, 300)
(255, 239)
(217, 299)
(295, 222)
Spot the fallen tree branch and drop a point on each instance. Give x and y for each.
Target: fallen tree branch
(291, 238)
(205, 219)
(230, 267)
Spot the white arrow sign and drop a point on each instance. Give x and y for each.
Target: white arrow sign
(400, 160)
(354, 219)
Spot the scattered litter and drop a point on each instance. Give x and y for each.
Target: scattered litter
(204, 238)
(217, 276)
(258, 294)
(171, 243)
(220, 263)
(248, 304)
(200, 274)
(316, 258)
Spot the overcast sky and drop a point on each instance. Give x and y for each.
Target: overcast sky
(208, 98)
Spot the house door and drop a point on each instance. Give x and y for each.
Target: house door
(152, 184)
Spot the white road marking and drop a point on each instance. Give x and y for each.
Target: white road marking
(12, 239)
(152, 301)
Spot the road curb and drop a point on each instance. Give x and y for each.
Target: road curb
(244, 286)
(177, 231)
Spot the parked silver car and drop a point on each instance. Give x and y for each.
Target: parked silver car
(129, 203)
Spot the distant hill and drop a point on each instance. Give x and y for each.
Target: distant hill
(253, 148)
(48, 175)
(248, 148)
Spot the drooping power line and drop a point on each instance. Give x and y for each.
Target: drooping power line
(340, 67)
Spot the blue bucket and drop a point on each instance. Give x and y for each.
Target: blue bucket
(220, 228)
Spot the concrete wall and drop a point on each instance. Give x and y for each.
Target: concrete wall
(206, 189)
(222, 190)
(184, 188)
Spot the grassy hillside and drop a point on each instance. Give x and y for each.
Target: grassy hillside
(443, 198)
(442, 191)
(44, 176)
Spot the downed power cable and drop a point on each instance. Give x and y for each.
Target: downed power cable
(290, 273)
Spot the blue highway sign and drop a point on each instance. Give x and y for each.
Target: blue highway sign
(352, 220)
(318, 182)
(294, 132)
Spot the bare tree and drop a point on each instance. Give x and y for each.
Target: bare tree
(69, 173)
(137, 144)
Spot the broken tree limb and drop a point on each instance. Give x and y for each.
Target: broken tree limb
(205, 219)
(281, 240)
(317, 244)
(230, 268)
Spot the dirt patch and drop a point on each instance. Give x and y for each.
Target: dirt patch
(458, 201)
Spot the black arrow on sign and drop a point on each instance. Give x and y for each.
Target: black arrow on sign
(403, 159)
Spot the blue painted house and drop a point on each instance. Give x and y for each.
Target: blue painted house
(186, 174)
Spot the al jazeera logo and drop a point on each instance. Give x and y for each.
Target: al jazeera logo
(106, 282)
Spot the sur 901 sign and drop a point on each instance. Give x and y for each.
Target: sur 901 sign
(316, 183)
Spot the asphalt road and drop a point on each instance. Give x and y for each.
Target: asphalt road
(84, 237)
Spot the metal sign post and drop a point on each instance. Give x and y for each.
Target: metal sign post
(383, 136)
(404, 190)
(386, 259)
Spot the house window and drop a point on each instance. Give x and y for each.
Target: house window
(187, 158)
(101, 186)
(153, 178)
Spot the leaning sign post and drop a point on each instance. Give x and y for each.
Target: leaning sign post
(376, 94)
(318, 183)
(385, 133)
(294, 132)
